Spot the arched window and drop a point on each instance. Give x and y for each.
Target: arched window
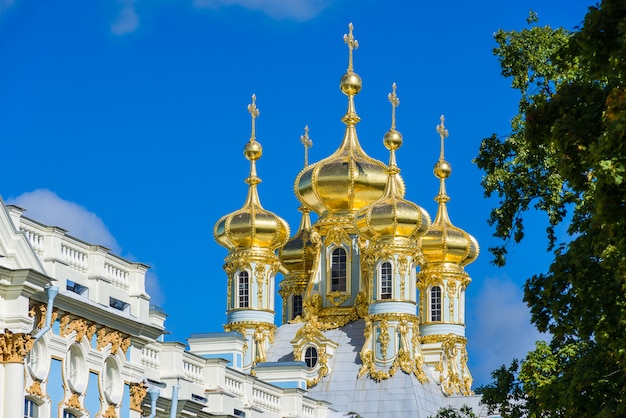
(435, 304)
(310, 357)
(385, 280)
(243, 289)
(338, 269)
(297, 306)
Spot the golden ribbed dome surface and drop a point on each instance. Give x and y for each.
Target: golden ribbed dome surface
(298, 254)
(445, 243)
(392, 217)
(251, 226)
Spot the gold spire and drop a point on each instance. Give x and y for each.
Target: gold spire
(444, 242)
(393, 138)
(308, 143)
(392, 218)
(442, 168)
(252, 226)
(343, 183)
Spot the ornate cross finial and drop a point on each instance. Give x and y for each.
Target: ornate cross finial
(443, 134)
(306, 141)
(254, 111)
(352, 45)
(395, 102)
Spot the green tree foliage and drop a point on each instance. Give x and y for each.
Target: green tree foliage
(450, 412)
(567, 152)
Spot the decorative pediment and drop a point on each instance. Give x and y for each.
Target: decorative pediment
(315, 349)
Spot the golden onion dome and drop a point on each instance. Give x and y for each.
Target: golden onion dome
(251, 226)
(298, 254)
(444, 242)
(348, 180)
(392, 217)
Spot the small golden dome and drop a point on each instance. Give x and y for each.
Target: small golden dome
(251, 226)
(348, 180)
(444, 242)
(298, 254)
(392, 217)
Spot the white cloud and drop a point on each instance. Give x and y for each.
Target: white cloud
(46, 207)
(157, 296)
(299, 10)
(127, 20)
(501, 328)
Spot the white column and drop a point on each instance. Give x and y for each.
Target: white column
(13, 390)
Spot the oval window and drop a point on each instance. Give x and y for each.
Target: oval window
(310, 357)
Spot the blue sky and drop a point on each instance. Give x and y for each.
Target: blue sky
(124, 122)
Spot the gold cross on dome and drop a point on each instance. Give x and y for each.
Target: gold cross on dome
(395, 102)
(308, 143)
(254, 112)
(443, 134)
(352, 45)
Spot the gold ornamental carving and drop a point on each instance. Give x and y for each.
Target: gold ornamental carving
(74, 402)
(115, 338)
(337, 298)
(110, 412)
(138, 391)
(35, 390)
(39, 313)
(311, 308)
(337, 236)
(361, 305)
(383, 337)
(80, 325)
(14, 347)
(260, 278)
(322, 371)
(409, 357)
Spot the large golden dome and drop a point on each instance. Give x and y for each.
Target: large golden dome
(251, 226)
(444, 242)
(393, 218)
(348, 180)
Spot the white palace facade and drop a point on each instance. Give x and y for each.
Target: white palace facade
(372, 290)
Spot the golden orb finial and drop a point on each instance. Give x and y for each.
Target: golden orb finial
(308, 143)
(393, 138)
(350, 83)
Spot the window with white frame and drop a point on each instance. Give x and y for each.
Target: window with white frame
(297, 306)
(30, 409)
(68, 414)
(338, 270)
(385, 280)
(310, 357)
(243, 289)
(435, 304)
